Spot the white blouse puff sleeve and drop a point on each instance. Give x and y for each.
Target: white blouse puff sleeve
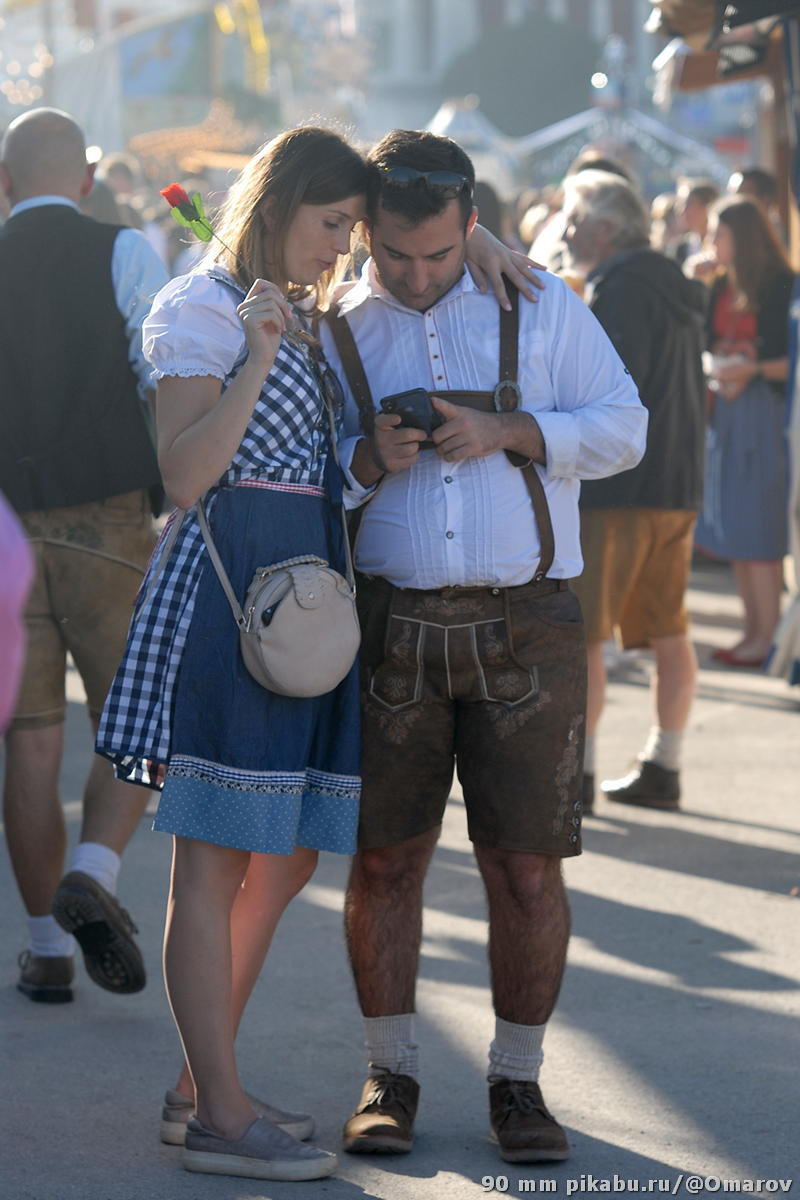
(193, 329)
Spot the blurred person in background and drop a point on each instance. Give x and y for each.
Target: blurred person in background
(664, 223)
(759, 185)
(744, 516)
(548, 246)
(121, 173)
(694, 198)
(490, 207)
(636, 528)
(76, 463)
(101, 204)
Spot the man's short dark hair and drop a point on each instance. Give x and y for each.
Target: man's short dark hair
(704, 191)
(760, 182)
(422, 151)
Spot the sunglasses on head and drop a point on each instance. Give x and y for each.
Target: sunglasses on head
(447, 183)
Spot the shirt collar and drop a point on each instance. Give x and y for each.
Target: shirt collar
(40, 202)
(369, 287)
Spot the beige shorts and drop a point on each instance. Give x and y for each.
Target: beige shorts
(635, 575)
(90, 559)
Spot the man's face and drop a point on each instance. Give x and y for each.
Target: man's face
(418, 264)
(585, 237)
(692, 214)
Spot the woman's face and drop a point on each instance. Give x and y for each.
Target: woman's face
(317, 236)
(721, 239)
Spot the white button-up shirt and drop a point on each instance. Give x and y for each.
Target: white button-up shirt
(471, 523)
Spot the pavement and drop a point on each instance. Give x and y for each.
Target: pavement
(672, 1058)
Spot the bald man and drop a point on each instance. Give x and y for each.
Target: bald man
(76, 463)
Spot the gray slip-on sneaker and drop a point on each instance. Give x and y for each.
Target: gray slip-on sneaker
(264, 1151)
(178, 1108)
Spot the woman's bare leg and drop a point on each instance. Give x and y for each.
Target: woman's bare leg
(745, 589)
(763, 582)
(271, 882)
(206, 880)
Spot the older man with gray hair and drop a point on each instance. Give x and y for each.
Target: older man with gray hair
(636, 528)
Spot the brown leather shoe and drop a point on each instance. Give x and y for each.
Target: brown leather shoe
(103, 930)
(44, 979)
(522, 1126)
(648, 785)
(383, 1123)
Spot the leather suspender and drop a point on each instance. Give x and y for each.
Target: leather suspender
(505, 398)
(353, 368)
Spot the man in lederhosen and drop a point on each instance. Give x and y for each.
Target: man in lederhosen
(473, 647)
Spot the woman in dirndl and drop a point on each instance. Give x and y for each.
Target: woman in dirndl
(253, 784)
(744, 516)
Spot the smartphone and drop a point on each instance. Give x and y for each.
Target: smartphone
(414, 408)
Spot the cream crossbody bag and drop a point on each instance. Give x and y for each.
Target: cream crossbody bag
(298, 631)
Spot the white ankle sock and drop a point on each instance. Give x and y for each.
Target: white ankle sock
(391, 1046)
(588, 755)
(516, 1052)
(48, 939)
(98, 861)
(663, 746)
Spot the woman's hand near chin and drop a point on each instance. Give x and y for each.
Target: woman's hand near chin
(265, 314)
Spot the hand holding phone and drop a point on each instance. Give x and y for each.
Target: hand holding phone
(415, 410)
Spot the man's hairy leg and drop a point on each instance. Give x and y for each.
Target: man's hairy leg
(529, 926)
(383, 923)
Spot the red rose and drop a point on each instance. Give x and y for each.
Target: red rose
(178, 198)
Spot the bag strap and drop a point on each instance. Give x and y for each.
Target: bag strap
(348, 553)
(239, 617)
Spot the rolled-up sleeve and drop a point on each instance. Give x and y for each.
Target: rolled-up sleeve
(599, 425)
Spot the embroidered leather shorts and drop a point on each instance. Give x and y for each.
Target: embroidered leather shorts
(491, 680)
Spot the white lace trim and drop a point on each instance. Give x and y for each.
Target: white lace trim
(185, 372)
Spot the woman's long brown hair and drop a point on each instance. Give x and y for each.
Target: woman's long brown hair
(758, 254)
(307, 165)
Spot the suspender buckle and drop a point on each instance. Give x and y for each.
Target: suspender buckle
(513, 386)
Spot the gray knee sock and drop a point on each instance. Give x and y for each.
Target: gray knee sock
(663, 746)
(391, 1046)
(516, 1052)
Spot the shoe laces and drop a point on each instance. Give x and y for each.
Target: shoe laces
(523, 1096)
(386, 1090)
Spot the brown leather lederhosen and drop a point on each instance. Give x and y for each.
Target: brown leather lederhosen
(504, 398)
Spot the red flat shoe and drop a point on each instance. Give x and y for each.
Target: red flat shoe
(733, 660)
(721, 655)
